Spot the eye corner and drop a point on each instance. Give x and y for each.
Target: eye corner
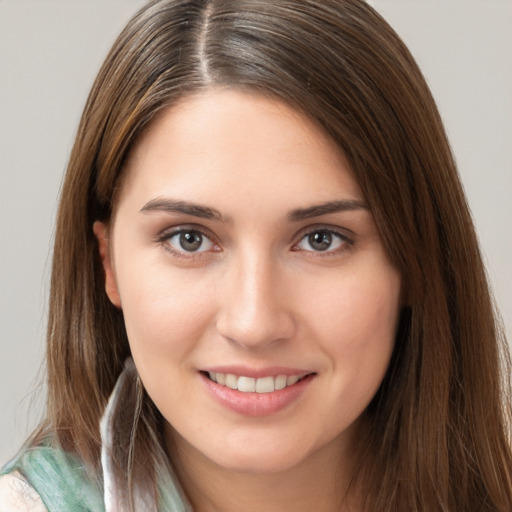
(186, 242)
(335, 242)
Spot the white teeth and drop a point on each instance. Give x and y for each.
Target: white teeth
(251, 385)
(280, 382)
(265, 385)
(246, 384)
(231, 381)
(292, 379)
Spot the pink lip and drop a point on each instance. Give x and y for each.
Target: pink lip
(256, 404)
(256, 373)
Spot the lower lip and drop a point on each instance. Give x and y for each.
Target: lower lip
(256, 404)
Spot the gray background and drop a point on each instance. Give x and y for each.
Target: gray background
(50, 51)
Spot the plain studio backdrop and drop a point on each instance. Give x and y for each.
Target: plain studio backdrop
(50, 51)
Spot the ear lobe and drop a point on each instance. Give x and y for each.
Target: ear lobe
(101, 232)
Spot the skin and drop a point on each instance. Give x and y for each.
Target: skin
(257, 293)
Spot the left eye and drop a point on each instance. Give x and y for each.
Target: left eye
(190, 241)
(321, 240)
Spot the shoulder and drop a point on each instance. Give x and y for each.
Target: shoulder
(48, 479)
(16, 495)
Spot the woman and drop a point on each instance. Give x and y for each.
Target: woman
(265, 259)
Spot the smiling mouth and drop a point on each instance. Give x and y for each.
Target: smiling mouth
(251, 385)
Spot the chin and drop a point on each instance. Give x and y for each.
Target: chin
(263, 456)
(259, 464)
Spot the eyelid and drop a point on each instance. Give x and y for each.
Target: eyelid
(175, 240)
(163, 236)
(169, 231)
(347, 236)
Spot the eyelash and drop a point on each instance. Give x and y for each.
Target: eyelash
(165, 237)
(346, 241)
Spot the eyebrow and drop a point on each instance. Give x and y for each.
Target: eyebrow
(172, 206)
(205, 212)
(341, 205)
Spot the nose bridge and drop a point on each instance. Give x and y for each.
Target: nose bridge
(255, 311)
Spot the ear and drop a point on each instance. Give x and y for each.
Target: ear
(101, 232)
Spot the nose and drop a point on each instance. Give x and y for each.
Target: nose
(255, 307)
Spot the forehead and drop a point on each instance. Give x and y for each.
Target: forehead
(244, 144)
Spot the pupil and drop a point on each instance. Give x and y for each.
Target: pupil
(190, 241)
(320, 241)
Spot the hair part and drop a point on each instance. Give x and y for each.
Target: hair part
(436, 433)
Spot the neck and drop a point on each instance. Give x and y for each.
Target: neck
(317, 483)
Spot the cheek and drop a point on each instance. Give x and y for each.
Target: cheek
(356, 324)
(167, 317)
(165, 311)
(358, 308)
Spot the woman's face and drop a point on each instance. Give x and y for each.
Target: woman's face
(243, 255)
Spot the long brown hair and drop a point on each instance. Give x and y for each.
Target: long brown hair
(436, 436)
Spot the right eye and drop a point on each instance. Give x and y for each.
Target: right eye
(321, 240)
(188, 241)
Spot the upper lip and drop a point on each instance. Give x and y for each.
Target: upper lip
(256, 373)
